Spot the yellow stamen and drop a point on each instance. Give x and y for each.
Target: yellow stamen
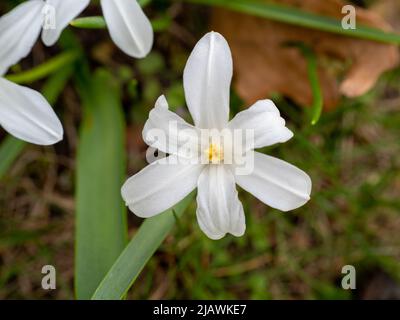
(215, 153)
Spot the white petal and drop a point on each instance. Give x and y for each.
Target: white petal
(19, 30)
(219, 210)
(276, 183)
(264, 118)
(166, 131)
(162, 102)
(207, 79)
(26, 114)
(160, 186)
(129, 27)
(57, 15)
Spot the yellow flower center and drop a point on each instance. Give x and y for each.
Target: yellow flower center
(215, 153)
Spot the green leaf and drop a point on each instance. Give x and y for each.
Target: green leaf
(162, 23)
(45, 69)
(96, 22)
(12, 147)
(312, 69)
(137, 253)
(301, 18)
(101, 230)
(144, 3)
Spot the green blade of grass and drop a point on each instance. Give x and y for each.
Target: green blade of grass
(312, 69)
(12, 147)
(131, 262)
(45, 69)
(301, 18)
(101, 230)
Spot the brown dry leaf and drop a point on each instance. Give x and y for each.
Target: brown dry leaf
(390, 10)
(265, 64)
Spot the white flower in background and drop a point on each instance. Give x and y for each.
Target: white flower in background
(165, 182)
(25, 113)
(129, 27)
(19, 29)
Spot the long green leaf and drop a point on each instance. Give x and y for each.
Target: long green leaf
(101, 230)
(312, 69)
(301, 18)
(10, 149)
(50, 66)
(137, 253)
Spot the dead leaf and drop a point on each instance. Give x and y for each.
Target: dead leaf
(264, 64)
(390, 10)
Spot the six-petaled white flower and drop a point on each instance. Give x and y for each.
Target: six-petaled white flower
(163, 183)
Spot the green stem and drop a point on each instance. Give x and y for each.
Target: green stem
(45, 69)
(312, 69)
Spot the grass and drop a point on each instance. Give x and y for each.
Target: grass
(353, 216)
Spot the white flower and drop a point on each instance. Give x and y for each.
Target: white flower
(19, 29)
(25, 113)
(164, 183)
